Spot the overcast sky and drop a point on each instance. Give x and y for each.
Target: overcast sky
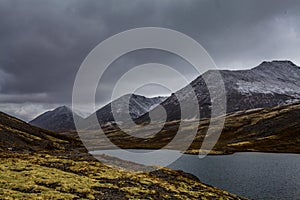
(43, 43)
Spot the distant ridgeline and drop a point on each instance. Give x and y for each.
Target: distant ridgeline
(268, 85)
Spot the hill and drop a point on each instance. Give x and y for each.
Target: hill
(266, 129)
(18, 135)
(40, 164)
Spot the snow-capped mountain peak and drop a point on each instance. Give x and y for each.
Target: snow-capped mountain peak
(267, 85)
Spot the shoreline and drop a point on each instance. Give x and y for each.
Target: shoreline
(49, 176)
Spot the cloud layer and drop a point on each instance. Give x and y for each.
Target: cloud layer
(42, 43)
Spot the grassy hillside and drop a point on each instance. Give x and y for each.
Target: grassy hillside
(39, 164)
(265, 130)
(268, 130)
(17, 135)
(45, 176)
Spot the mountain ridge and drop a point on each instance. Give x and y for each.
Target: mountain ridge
(61, 119)
(269, 84)
(259, 87)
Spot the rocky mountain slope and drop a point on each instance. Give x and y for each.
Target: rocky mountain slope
(138, 105)
(267, 85)
(60, 119)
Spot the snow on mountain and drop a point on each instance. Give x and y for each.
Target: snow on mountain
(61, 119)
(267, 85)
(277, 77)
(138, 105)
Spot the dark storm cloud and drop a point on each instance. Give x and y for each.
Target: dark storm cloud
(42, 43)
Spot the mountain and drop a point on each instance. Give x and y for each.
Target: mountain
(138, 106)
(18, 135)
(267, 85)
(60, 120)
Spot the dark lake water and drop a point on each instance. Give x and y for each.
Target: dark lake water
(252, 175)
